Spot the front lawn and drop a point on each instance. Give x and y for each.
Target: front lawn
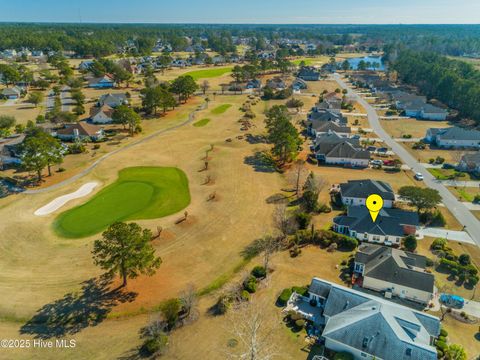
(139, 193)
(448, 174)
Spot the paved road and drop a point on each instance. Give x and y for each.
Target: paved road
(191, 118)
(459, 210)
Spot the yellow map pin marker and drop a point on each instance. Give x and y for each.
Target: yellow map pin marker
(374, 204)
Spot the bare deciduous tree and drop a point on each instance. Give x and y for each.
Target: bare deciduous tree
(297, 176)
(205, 86)
(252, 331)
(282, 222)
(189, 300)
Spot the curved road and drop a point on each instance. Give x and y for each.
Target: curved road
(191, 117)
(459, 210)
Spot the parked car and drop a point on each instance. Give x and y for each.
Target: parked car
(376, 162)
(418, 176)
(454, 301)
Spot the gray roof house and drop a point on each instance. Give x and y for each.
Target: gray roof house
(470, 163)
(453, 137)
(331, 148)
(393, 271)
(317, 128)
(368, 326)
(12, 93)
(355, 192)
(308, 73)
(327, 115)
(390, 227)
(113, 100)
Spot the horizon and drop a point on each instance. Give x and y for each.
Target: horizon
(248, 12)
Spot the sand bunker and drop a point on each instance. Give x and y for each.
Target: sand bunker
(62, 200)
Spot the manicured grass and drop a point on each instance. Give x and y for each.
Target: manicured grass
(209, 73)
(201, 123)
(221, 109)
(447, 174)
(466, 193)
(139, 193)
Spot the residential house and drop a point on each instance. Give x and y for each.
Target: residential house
(276, 83)
(367, 326)
(104, 82)
(101, 114)
(181, 63)
(85, 65)
(317, 128)
(254, 84)
(333, 104)
(417, 106)
(129, 66)
(356, 192)
(80, 131)
(113, 100)
(453, 137)
(299, 84)
(9, 54)
(321, 116)
(12, 93)
(309, 73)
(470, 163)
(390, 227)
(394, 272)
(333, 149)
(10, 149)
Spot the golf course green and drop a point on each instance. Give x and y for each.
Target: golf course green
(139, 193)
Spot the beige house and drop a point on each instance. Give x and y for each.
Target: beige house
(393, 272)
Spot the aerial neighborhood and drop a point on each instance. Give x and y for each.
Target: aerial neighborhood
(195, 191)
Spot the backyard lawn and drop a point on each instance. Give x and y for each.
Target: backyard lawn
(139, 193)
(209, 73)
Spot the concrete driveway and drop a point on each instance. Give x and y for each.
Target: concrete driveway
(459, 210)
(460, 236)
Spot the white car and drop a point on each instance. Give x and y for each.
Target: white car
(418, 176)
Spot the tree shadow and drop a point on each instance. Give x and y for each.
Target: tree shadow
(77, 310)
(260, 162)
(255, 139)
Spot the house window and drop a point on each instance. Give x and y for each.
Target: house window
(408, 352)
(365, 236)
(376, 238)
(365, 342)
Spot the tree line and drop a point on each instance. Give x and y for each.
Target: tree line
(454, 82)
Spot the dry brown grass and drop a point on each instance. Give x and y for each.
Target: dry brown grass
(450, 156)
(414, 127)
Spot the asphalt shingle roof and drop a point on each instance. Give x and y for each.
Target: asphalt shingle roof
(377, 326)
(389, 221)
(395, 266)
(364, 188)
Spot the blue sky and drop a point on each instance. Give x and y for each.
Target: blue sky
(244, 11)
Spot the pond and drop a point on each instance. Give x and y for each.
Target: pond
(377, 60)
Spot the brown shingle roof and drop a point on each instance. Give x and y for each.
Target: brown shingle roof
(83, 128)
